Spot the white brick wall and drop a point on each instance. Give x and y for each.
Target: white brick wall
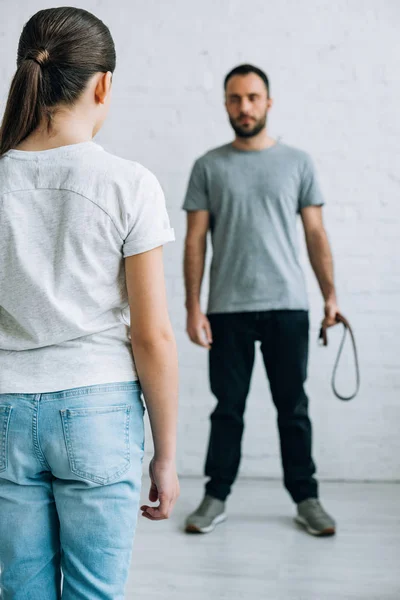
(334, 75)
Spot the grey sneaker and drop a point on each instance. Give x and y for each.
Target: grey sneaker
(204, 519)
(313, 517)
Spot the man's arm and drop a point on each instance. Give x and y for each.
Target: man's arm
(321, 259)
(198, 326)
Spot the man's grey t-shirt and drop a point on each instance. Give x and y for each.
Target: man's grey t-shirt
(68, 217)
(254, 198)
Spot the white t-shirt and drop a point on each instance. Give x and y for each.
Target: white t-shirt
(68, 217)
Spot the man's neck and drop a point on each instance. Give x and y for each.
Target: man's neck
(260, 141)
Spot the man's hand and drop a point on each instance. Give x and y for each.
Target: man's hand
(199, 329)
(331, 310)
(164, 488)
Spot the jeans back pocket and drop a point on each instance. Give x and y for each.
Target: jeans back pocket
(97, 441)
(5, 414)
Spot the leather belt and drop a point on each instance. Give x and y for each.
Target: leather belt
(323, 338)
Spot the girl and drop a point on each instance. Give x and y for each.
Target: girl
(83, 319)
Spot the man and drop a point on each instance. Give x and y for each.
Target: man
(248, 194)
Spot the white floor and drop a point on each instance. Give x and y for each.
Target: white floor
(259, 553)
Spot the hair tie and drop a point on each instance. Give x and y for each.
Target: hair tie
(41, 57)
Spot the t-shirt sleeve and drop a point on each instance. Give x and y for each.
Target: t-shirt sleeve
(197, 194)
(149, 225)
(310, 191)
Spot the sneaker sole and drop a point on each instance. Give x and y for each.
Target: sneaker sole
(329, 531)
(190, 528)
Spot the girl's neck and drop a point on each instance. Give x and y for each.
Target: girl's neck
(65, 131)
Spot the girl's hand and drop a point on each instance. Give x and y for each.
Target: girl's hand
(164, 489)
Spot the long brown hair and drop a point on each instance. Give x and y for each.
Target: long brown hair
(59, 50)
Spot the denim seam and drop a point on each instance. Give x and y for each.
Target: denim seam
(3, 450)
(127, 437)
(85, 474)
(93, 409)
(36, 444)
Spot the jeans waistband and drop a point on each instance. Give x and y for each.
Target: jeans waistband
(121, 386)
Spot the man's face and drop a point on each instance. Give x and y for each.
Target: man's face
(247, 104)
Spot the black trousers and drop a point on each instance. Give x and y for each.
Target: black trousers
(284, 345)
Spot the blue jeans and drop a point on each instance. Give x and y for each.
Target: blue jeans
(70, 478)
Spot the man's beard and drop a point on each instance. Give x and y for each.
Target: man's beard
(243, 132)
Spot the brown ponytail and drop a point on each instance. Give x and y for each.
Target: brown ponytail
(23, 106)
(59, 51)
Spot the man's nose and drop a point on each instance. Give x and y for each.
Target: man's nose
(245, 106)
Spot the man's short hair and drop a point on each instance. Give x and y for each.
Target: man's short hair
(245, 70)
